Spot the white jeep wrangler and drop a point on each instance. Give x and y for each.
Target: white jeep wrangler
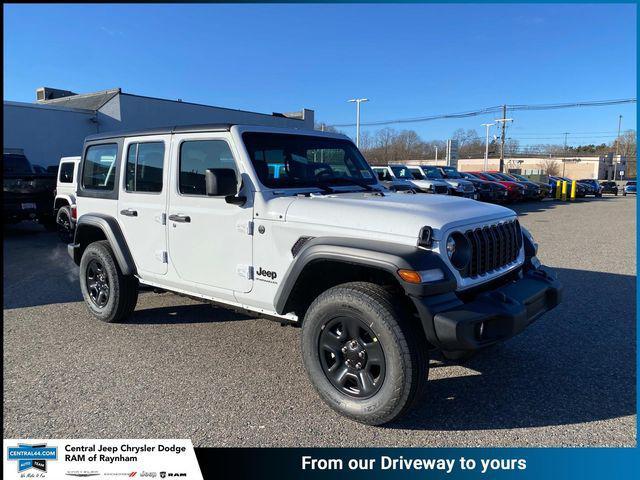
(64, 204)
(376, 279)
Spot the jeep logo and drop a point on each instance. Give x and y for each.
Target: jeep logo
(267, 273)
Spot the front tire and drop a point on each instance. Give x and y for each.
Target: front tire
(363, 354)
(109, 295)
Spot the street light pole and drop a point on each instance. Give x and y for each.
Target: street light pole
(617, 150)
(358, 101)
(486, 148)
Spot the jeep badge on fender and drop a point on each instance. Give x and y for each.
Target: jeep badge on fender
(267, 273)
(354, 269)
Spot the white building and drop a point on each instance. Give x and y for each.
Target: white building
(56, 125)
(579, 167)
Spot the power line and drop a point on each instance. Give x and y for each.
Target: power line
(495, 109)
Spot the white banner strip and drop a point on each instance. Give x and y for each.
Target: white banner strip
(100, 459)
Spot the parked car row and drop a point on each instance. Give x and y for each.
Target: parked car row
(490, 186)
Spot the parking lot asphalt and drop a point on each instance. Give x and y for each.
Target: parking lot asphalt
(182, 369)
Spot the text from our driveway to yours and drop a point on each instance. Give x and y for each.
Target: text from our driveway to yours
(444, 465)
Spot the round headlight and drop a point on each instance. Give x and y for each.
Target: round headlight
(451, 247)
(458, 250)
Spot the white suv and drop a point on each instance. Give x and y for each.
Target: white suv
(64, 205)
(375, 278)
(399, 172)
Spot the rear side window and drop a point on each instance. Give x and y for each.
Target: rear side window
(66, 172)
(144, 167)
(196, 156)
(99, 170)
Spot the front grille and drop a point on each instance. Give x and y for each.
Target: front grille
(468, 188)
(441, 189)
(492, 247)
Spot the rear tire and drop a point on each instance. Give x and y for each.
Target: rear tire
(382, 330)
(110, 296)
(64, 225)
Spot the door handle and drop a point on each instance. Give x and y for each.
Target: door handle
(129, 212)
(180, 218)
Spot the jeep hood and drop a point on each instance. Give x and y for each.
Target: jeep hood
(394, 213)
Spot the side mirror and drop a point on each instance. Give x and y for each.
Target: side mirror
(221, 182)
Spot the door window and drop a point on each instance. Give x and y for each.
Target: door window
(144, 167)
(99, 170)
(196, 156)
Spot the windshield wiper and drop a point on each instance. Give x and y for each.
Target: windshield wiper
(353, 181)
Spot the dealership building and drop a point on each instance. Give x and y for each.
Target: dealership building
(579, 167)
(57, 123)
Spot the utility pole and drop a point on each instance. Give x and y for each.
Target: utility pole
(503, 121)
(486, 148)
(617, 148)
(436, 154)
(358, 101)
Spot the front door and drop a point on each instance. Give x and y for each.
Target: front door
(142, 201)
(210, 240)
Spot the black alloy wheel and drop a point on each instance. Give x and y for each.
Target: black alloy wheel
(351, 357)
(97, 282)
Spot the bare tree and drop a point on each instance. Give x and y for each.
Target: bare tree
(626, 144)
(550, 166)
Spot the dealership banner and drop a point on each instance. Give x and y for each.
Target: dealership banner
(99, 459)
(169, 459)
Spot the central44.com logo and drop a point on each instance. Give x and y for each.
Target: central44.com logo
(32, 456)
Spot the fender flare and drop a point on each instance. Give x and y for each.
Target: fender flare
(386, 256)
(67, 198)
(112, 232)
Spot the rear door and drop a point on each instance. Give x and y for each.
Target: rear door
(143, 200)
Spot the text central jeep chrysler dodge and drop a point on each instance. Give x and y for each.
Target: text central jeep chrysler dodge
(376, 279)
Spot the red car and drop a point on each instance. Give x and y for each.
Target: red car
(515, 191)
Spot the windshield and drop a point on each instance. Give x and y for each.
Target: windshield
(631, 183)
(451, 172)
(13, 163)
(491, 177)
(502, 176)
(298, 161)
(432, 172)
(402, 172)
(417, 174)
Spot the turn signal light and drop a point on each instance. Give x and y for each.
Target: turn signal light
(74, 213)
(410, 276)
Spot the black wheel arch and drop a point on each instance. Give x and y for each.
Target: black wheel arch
(96, 226)
(352, 257)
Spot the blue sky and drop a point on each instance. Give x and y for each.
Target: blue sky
(410, 60)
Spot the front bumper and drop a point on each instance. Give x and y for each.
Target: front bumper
(490, 316)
